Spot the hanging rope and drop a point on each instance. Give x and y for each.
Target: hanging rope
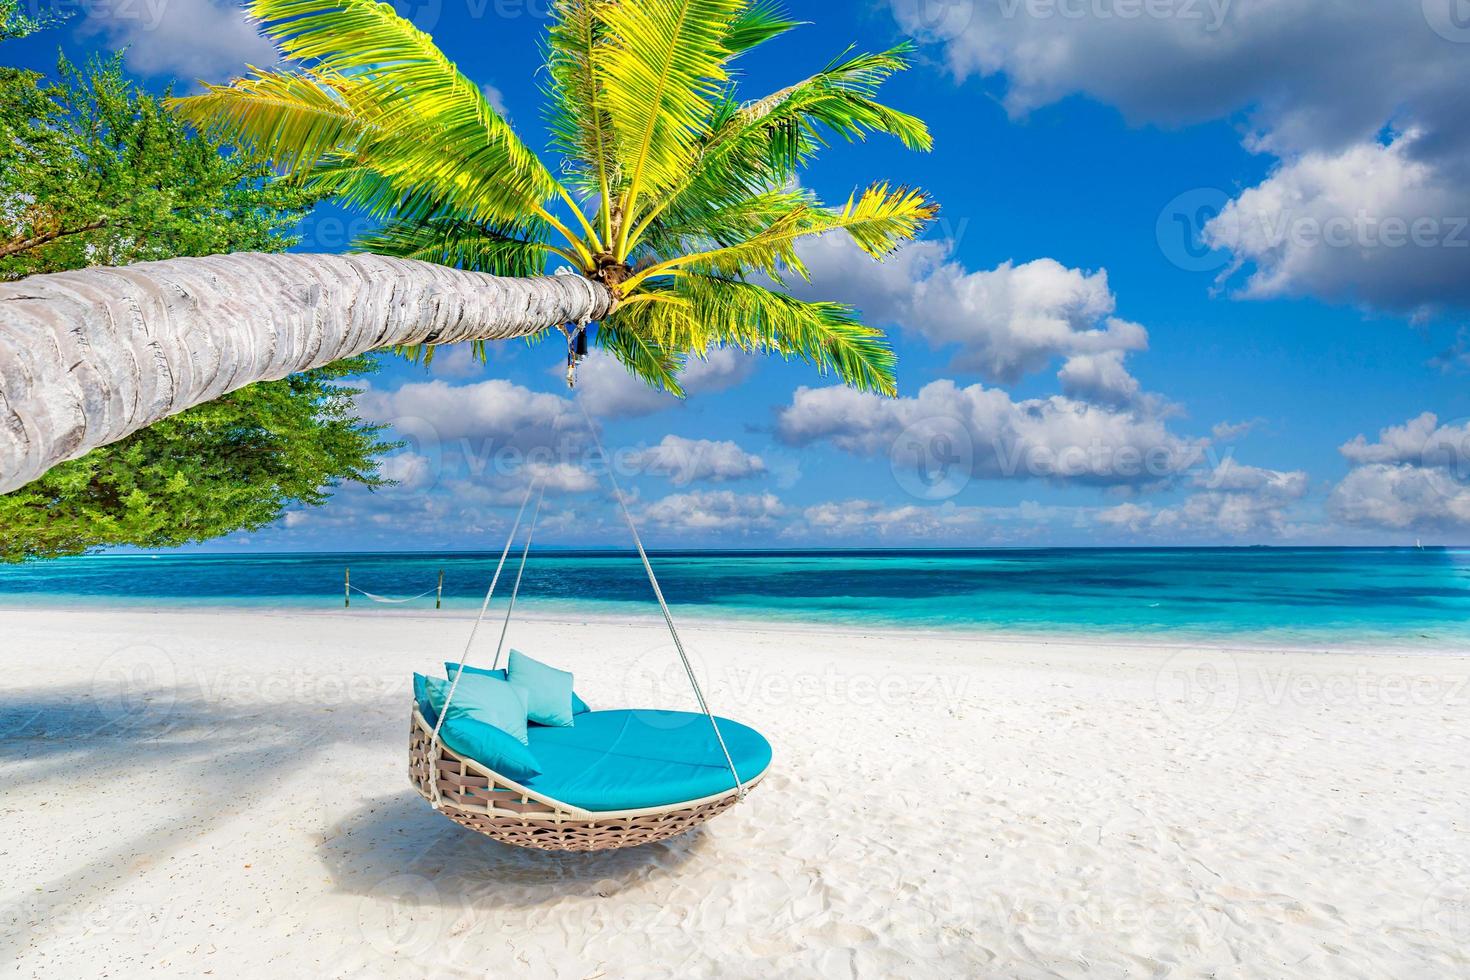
(459, 670)
(662, 605)
(516, 589)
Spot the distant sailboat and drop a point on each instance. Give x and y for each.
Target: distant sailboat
(1418, 544)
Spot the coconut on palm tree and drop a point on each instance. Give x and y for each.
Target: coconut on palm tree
(674, 202)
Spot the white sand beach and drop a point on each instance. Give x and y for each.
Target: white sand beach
(224, 793)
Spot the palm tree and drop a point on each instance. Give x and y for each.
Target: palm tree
(677, 209)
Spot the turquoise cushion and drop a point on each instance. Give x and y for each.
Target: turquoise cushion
(421, 697)
(548, 690)
(631, 759)
(578, 705)
(486, 721)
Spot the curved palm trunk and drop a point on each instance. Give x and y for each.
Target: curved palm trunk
(88, 357)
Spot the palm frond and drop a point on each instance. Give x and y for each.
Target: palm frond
(662, 73)
(631, 335)
(757, 24)
(829, 336)
(470, 155)
(761, 145)
(717, 224)
(499, 251)
(293, 119)
(878, 220)
(581, 126)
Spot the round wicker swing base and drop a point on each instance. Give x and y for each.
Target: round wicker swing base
(487, 803)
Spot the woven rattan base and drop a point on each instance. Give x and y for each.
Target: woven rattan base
(478, 798)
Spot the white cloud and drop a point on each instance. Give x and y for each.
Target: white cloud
(1414, 476)
(495, 97)
(1400, 497)
(685, 461)
(195, 39)
(492, 413)
(1236, 501)
(1421, 441)
(1229, 476)
(721, 512)
(1313, 74)
(457, 361)
(409, 470)
(1003, 323)
(1100, 378)
(1369, 223)
(1315, 83)
(989, 435)
(1230, 431)
(719, 370)
(610, 391)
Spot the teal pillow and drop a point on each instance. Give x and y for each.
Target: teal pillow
(549, 691)
(421, 696)
(486, 721)
(579, 707)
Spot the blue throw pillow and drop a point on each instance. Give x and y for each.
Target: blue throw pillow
(486, 721)
(579, 707)
(549, 691)
(421, 695)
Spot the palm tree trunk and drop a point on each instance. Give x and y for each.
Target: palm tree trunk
(88, 357)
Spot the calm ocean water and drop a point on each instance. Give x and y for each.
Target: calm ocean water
(1281, 595)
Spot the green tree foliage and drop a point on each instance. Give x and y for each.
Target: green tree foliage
(93, 170)
(227, 466)
(14, 23)
(679, 194)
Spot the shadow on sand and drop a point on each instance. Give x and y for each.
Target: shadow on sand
(400, 839)
(232, 756)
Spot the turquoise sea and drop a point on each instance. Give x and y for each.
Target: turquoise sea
(1309, 596)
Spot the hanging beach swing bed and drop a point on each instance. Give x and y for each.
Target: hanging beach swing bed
(611, 778)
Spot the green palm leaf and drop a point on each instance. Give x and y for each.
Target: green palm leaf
(662, 74)
(691, 192)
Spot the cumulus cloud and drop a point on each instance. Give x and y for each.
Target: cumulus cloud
(863, 520)
(685, 461)
(610, 391)
(194, 39)
(1100, 378)
(1369, 223)
(720, 512)
(988, 435)
(488, 412)
(1002, 323)
(1228, 476)
(1417, 475)
(1230, 431)
(1401, 497)
(1234, 501)
(1312, 74)
(1315, 82)
(1421, 441)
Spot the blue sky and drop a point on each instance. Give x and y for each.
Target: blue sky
(1200, 273)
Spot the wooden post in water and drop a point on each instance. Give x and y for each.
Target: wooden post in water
(347, 586)
(439, 595)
